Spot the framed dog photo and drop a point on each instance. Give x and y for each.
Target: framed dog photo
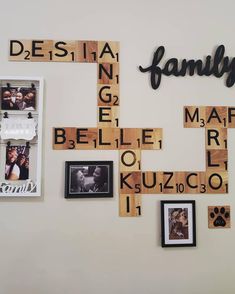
(178, 223)
(88, 179)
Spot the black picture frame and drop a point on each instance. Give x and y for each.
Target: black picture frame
(88, 179)
(178, 223)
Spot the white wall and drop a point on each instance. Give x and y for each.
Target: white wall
(57, 246)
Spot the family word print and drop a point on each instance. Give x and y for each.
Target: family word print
(130, 142)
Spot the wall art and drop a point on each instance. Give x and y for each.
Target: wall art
(219, 217)
(88, 179)
(21, 136)
(178, 223)
(131, 142)
(217, 66)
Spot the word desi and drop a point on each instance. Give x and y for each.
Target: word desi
(217, 66)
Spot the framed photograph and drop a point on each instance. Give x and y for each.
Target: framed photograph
(18, 98)
(17, 163)
(88, 179)
(178, 223)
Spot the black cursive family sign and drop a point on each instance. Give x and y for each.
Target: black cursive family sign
(217, 66)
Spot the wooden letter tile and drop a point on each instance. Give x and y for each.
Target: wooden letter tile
(20, 50)
(169, 186)
(64, 51)
(217, 182)
(87, 51)
(64, 138)
(107, 139)
(151, 139)
(108, 116)
(108, 73)
(86, 138)
(216, 138)
(194, 117)
(216, 116)
(219, 217)
(108, 95)
(151, 182)
(180, 182)
(130, 138)
(130, 205)
(129, 160)
(195, 182)
(108, 52)
(231, 117)
(41, 50)
(130, 182)
(217, 160)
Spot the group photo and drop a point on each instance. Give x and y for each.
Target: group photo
(21, 98)
(17, 163)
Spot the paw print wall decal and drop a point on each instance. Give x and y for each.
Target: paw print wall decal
(218, 217)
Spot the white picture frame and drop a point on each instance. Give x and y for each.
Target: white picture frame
(28, 186)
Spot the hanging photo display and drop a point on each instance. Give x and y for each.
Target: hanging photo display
(20, 136)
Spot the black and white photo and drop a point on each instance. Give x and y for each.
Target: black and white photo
(88, 179)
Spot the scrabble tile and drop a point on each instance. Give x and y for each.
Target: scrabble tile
(130, 160)
(64, 138)
(130, 182)
(64, 51)
(107, 139)
(42, 51)
(219, 217)
(231, 117)
(108, 95)
(87, 51)
(195, 182)
(108, 117)
(86, 138)
(130, 205)
(108, 52)
(217, 182)
(194, 117)
(151, 182)
(108, 73)
(130, 138)
(217, 160)
(216, 138)
(20, 50)
(151, 139)
(216, 117)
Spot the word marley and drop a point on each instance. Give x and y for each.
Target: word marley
(217, 66)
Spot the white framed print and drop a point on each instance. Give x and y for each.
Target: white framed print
(21, 110)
